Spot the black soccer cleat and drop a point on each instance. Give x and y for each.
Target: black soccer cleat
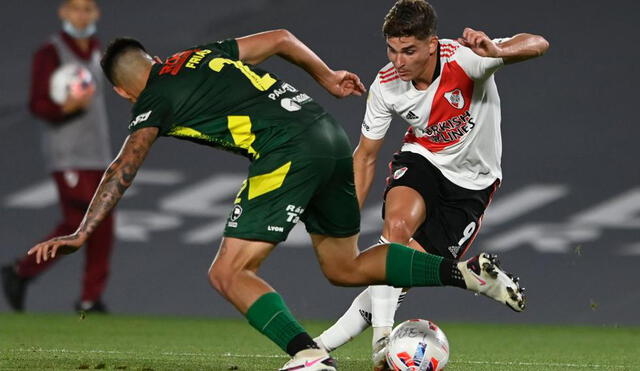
(91, 307)
(14, 287)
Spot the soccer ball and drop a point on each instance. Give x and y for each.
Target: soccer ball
(417, 345)
(69, 79)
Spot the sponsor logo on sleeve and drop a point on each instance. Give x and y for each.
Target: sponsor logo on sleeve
(140, 118)
(235, 213)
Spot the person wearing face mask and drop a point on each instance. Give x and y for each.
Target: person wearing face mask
(75, 144)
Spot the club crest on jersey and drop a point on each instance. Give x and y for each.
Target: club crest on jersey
(399, 173)
(455, 98)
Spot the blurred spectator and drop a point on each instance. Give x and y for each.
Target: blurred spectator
(75, 144)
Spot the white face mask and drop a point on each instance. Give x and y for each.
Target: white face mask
(79, 34)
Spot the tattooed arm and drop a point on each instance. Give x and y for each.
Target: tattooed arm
(115, 181)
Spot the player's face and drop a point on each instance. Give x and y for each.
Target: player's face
(80, 13)
(410, 55)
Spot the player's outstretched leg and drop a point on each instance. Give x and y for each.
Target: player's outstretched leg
(482, 274)
(401, 266)
(234, 275)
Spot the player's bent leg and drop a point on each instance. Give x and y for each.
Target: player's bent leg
(233, 271)
(400, 266)
(344, 265)
(404, 211)
(233, 274)
(392, 264)
(385, 300)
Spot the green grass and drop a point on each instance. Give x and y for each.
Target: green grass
(38, 342)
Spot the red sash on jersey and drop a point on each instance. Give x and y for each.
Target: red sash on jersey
(449, 119)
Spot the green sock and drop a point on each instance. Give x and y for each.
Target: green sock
(407, 267)
(270, 315)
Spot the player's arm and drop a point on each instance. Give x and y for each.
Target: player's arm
(364, 166)
(254, 49)
(115, 181)
(517, 49)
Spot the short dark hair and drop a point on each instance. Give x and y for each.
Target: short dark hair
(117, 48)
(410, 18)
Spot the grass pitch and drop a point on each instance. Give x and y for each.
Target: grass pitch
(66, 342)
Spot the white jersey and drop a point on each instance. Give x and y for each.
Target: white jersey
(454, 124)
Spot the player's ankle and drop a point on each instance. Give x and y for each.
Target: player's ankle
(450, 274)
(320, 344)
(379, 333)
(300, 343)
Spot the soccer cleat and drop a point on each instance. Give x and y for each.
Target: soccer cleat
(482, 274)
(91, 307)
(14, 287)
(310, 360)
(379, 354)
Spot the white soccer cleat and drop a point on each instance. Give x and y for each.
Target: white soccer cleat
(310, 360)
(379, 354)
(483, 275)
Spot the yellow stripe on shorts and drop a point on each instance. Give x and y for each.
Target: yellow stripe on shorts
(265, 183)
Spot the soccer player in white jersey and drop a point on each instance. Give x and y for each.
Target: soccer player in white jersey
(448, 168)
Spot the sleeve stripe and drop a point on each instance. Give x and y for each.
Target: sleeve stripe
(390, 79)
(387, 75)
(385, 71)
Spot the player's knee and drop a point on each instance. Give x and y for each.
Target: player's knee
(398, 229)
(220, 278)
(214, 278)
(341, 277)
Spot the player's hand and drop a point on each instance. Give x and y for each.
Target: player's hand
(479, 43)
(59, 245)
(78, 100)
(344, 83)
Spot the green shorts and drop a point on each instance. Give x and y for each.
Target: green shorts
(310, 180)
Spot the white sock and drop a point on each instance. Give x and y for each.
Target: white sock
(359, 316)
(352, 323)
(384, 302)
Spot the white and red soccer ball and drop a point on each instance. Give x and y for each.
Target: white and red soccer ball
(70, 80)
(417, 345)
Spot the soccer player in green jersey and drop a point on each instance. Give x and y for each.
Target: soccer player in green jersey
(300, 169)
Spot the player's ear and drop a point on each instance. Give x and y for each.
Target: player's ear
(433, 44)
(123, 93)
